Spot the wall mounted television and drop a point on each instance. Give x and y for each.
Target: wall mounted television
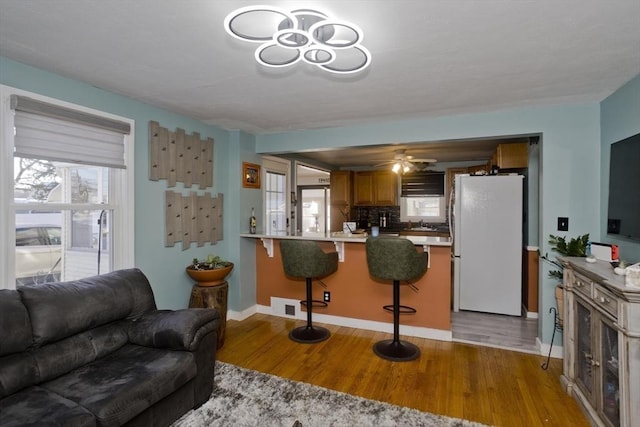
(623, 218)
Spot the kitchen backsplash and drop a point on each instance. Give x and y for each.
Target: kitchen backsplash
(366, 216)
(372, 215)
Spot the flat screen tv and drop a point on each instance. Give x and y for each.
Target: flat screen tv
(624, 189)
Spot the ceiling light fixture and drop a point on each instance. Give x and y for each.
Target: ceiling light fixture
(401, 166)
(403, 163)
(303, 34)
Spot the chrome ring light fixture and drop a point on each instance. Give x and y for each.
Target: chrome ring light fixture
(304, 34)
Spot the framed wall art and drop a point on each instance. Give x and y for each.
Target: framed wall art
(250, 175)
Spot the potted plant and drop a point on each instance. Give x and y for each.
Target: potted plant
(210, 271)
(576, 246)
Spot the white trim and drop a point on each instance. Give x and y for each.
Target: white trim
(532, 315)
(557, 351)
(371, 325)
(532, 248)
(241, 315)
(122, 190)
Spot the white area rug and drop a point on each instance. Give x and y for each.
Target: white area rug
(242, 397)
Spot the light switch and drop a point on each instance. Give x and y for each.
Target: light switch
(563, 223)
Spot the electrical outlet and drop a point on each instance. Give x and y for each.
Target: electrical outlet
(563, 223)
(327, 296)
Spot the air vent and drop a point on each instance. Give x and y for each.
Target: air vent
(290, 310)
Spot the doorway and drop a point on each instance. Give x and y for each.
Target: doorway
(314, 209)
(312, 199)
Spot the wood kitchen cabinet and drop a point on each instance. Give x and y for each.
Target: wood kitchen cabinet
(341, 198)
(375, 188)
(601, 343)
(511, 156)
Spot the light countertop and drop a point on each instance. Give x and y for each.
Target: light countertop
(349, 238)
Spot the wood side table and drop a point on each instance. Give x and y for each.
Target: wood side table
(212, 297)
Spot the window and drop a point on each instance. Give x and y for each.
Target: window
(422, 197)
(61, 165)
(275, 195)
(427, 208)
(275, 203)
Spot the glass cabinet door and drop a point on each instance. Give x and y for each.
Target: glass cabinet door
(584, 351)
(610, 374)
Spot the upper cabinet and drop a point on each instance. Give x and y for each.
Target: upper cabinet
(341, 188)
(341, 198)
(511, 156)
(375, 188)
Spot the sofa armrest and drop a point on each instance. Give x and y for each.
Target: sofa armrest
(178, 330)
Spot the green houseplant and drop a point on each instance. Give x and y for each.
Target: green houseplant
(210, 271)
(576, 246)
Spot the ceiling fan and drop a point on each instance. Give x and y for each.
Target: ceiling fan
(403, 163)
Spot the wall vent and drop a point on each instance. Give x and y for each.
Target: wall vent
(290, 310)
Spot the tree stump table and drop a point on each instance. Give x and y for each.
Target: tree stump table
(212, 297)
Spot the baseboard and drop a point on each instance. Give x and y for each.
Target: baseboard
(241, 315)
(277, 304)
(532, 315)
(557, 352)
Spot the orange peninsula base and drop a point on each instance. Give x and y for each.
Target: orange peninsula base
(356, 295)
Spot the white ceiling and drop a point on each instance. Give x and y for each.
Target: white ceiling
(430, 58)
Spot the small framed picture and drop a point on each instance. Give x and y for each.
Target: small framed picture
(250, 175)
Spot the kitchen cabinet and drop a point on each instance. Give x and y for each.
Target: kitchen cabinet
(601, 342)
(375, 188)
(341, 198)
(511, 156)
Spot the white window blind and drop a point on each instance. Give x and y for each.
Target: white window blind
(50, 132)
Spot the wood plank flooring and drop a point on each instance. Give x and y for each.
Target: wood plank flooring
(495, 330)
(483, 384)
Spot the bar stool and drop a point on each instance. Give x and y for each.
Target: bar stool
(396, 259)
(305, 259)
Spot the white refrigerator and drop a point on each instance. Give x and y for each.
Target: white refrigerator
(487, 243)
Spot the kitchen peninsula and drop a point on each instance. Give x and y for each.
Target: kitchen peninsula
(356, 299)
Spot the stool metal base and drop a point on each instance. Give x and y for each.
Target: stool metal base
(309, 334)
(397, 351)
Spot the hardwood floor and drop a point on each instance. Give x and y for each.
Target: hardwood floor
(483, 384)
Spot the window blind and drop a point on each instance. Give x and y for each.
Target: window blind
(419, 184)
(50, 132)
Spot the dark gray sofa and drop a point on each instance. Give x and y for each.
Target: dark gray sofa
(96, 351)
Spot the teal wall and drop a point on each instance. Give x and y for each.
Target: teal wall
(619, 119)
(164, 266)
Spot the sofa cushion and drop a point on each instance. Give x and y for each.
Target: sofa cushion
(36, 406)
(61, 309)
(63, 356)
(17, 371)
(123, 384)
(14, 323)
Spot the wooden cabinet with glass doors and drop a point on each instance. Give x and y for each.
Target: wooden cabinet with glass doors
(602, 343)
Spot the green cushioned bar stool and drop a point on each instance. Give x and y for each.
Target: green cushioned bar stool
(305, 259)
(395, 259)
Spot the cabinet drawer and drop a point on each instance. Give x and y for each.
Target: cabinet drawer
(605, 300)
(582, 285)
